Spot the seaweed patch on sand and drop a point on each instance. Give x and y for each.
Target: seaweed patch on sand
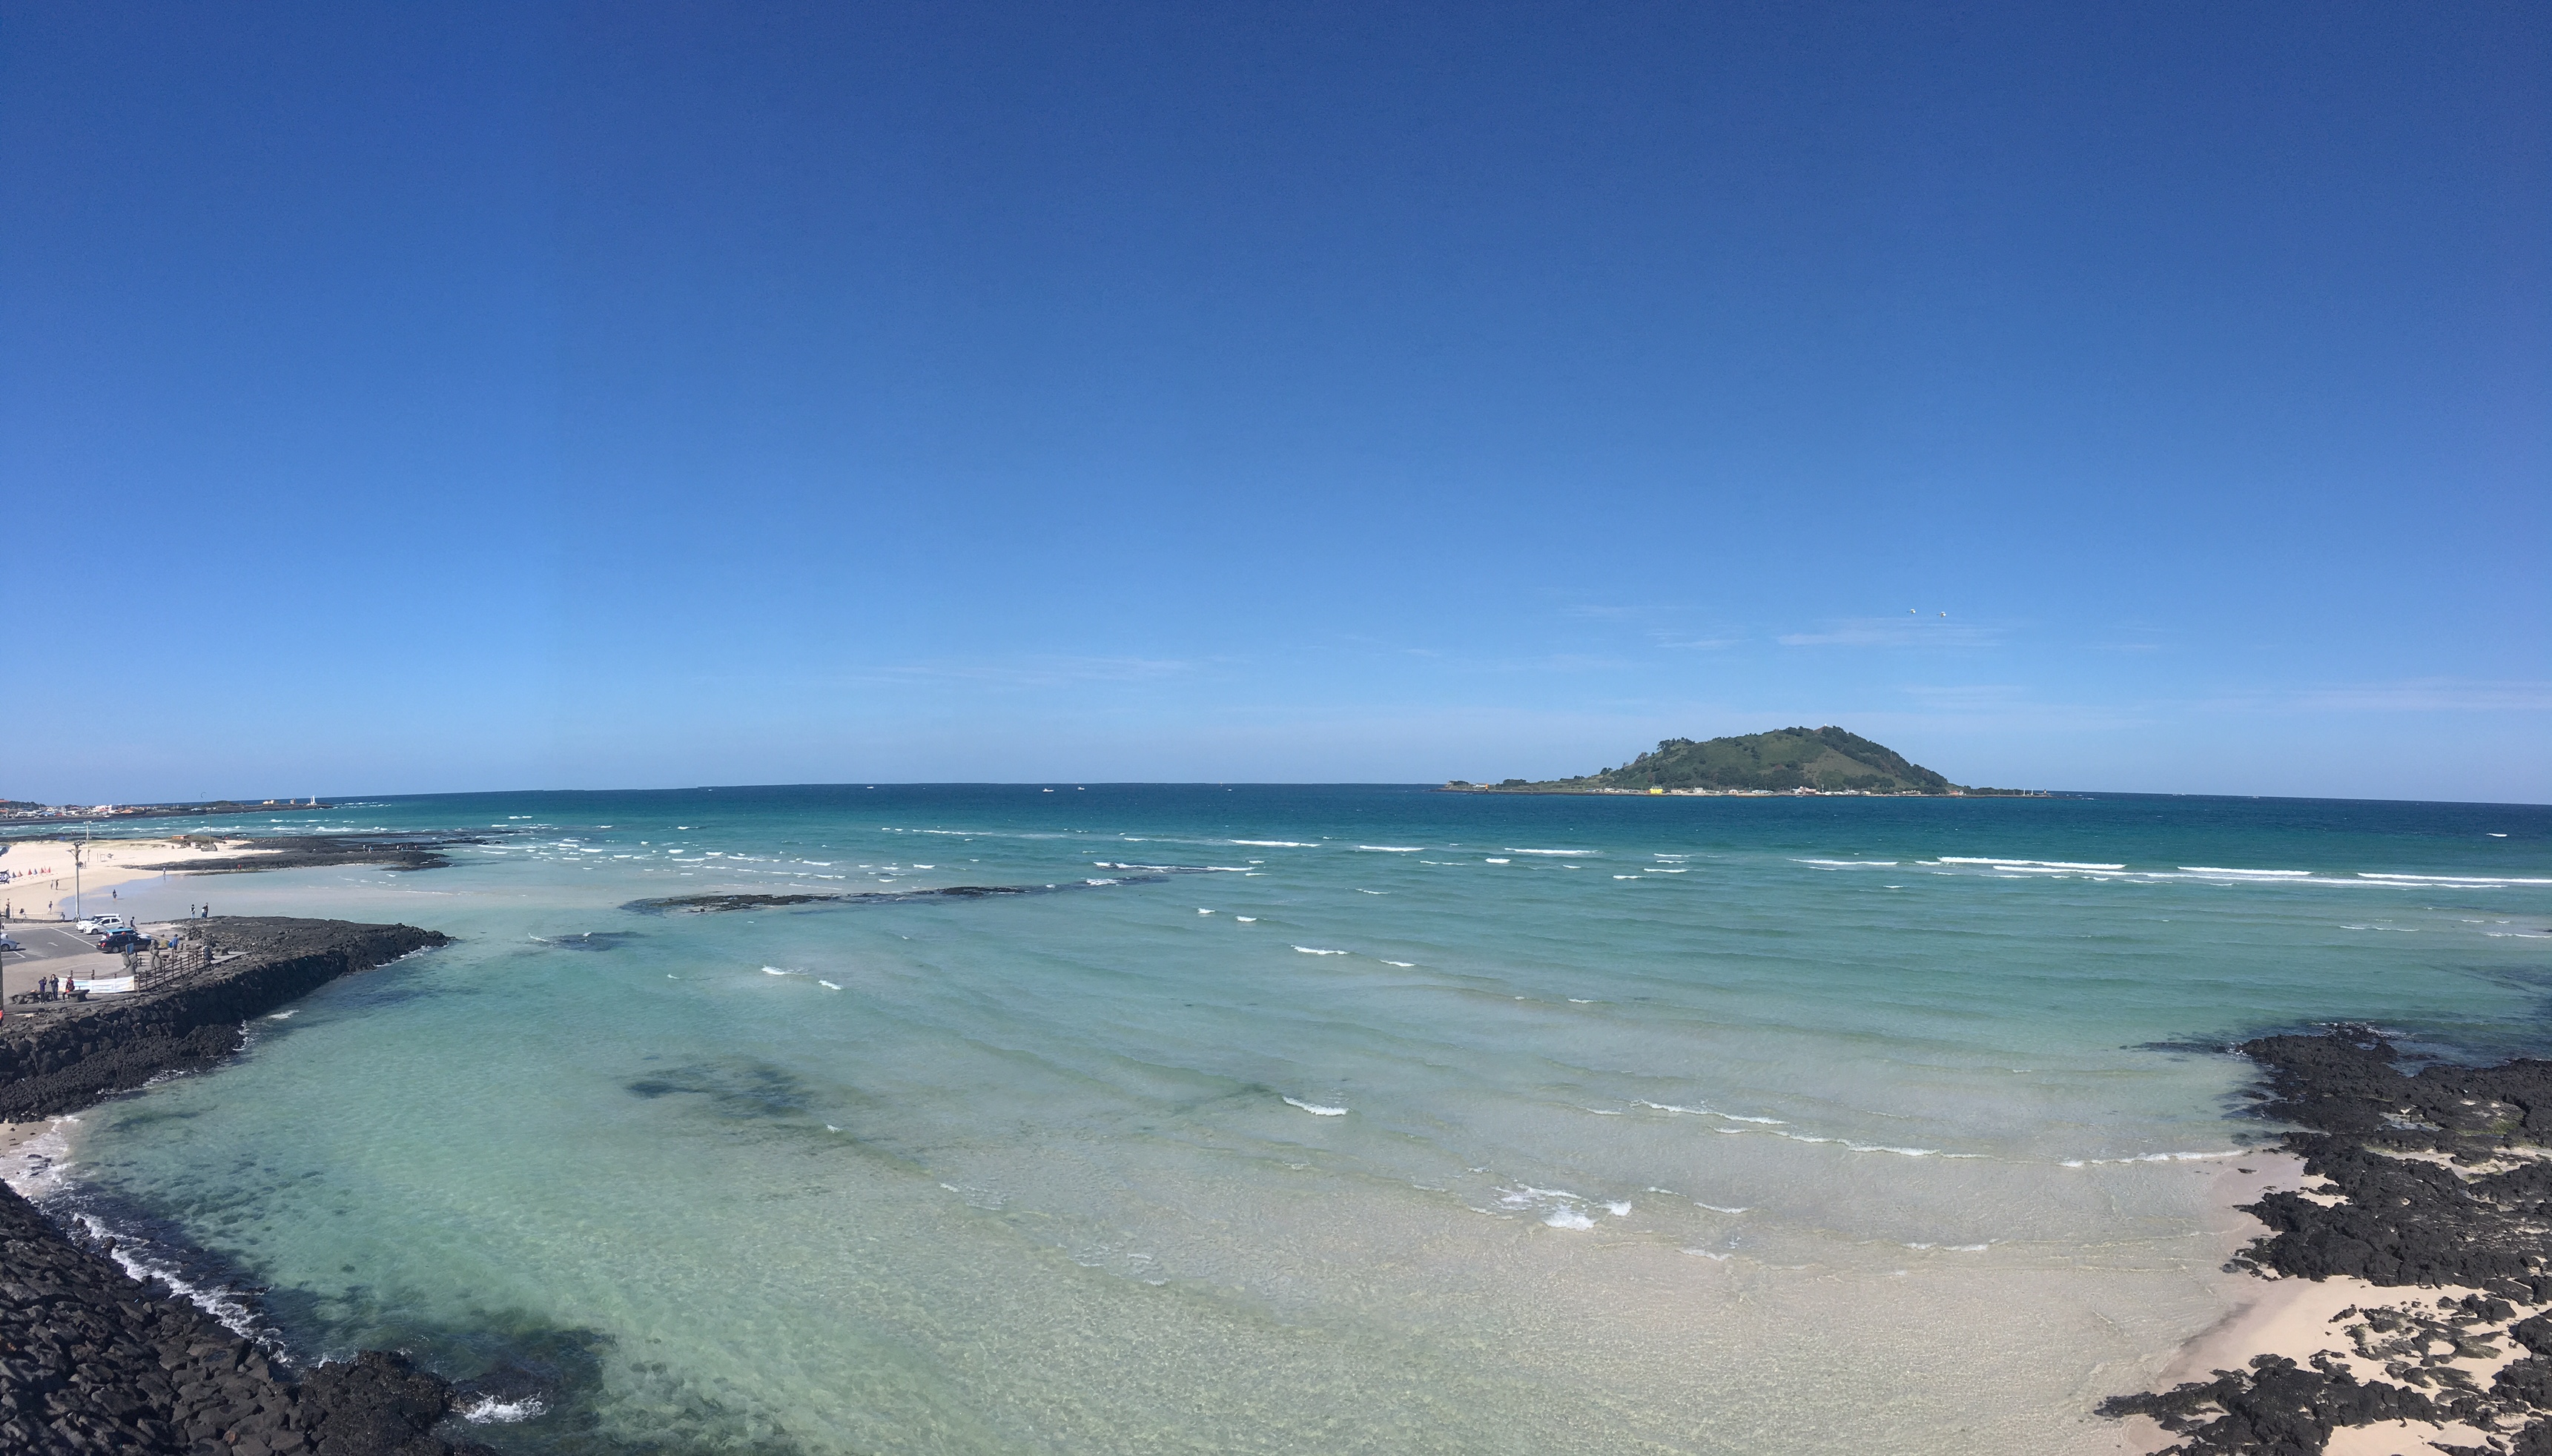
(2439, 1180)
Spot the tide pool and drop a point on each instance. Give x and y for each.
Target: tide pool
(1301, 1120)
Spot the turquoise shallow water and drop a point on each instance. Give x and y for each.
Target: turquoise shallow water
(1365, 1118)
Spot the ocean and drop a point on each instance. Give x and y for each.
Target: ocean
(1296, 1118)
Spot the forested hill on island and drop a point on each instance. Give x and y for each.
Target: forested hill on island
(1784, 761)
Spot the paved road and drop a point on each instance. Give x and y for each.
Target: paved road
(51, 949)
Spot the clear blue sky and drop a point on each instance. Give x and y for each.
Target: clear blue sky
(442, 397)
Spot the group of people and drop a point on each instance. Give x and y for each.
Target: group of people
(53, 988)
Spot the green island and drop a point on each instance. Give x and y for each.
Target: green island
(1785, 760)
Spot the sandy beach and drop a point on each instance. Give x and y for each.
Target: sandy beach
(40, 870)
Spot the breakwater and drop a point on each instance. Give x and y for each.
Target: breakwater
(64, 1057)
(92, 1360)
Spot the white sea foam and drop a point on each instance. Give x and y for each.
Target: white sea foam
(1712, 1112)
(774, 971)
(1273, 843)
(1315, 1108)
(1403, 965)
(1394, 849)
(2157, 1158)
(1374, 891)
(1618, 1208)
(488, 1410)
(1850, 863)
(33, 1167)
(2453, 879)
(1497, 861)
(1720, 1208)
(2257, 873)
(284, 1015)
(1568, 1218)
(2024, 863)
(221, 1303)
(828, 985)
(1204, 912)
(1317, 951)
(1573, 853)
(1246, 919)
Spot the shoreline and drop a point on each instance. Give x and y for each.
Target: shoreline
(41, 869)
(2293, 1318)
(2400, 1292)
(101, 1360)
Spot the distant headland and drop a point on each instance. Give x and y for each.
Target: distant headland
(1785, 760)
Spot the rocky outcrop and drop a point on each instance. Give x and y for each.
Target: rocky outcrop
(330, 850)
(2430, 1179)
(92, 1361)
(67, 1056)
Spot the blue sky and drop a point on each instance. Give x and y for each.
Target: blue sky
(452, 397)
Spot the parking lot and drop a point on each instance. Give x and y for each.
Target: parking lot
(51, 949)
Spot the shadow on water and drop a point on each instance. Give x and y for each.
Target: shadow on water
(528, 1385)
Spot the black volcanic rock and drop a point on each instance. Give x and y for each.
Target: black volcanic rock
(92, 1361)
(65, 1056)
(2434, 1177)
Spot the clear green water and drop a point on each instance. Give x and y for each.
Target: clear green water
(1746, 1127)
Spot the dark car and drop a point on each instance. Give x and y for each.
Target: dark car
(122, 940)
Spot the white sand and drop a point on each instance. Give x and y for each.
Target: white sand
(40, 878)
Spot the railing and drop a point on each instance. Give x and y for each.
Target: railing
(164, 964)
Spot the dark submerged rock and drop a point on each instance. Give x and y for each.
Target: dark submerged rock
(701, 904)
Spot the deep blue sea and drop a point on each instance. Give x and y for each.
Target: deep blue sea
(1300, 1119)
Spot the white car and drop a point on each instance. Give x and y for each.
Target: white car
(101, 924)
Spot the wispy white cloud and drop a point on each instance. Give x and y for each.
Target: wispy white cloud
(1906, 631)
(2428, 696)
(1039, 671)
(1682, 641)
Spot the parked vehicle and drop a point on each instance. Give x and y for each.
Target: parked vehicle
(8, 943)
(122, 940)
(102, 924)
